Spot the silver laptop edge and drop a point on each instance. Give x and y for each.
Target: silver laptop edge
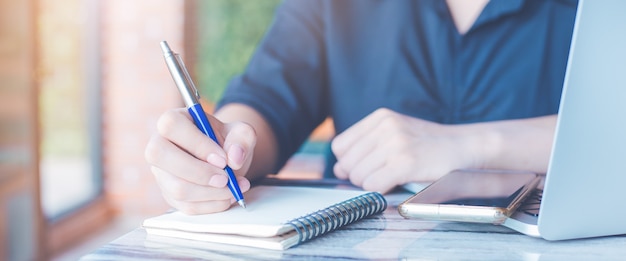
(585, 186)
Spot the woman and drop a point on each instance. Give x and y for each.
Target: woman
(415, 89)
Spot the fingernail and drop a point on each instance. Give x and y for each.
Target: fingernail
(218, 181)
(235, 155)
(244, 183)
(216, 160)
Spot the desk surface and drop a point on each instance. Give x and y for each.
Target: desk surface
(386, 236)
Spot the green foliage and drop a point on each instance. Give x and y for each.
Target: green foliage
(229, 31)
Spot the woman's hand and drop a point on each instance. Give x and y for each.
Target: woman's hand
(188, 165)
(386, 149)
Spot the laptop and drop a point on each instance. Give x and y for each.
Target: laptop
(584, 194)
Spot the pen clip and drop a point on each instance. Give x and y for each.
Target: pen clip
(188, 77)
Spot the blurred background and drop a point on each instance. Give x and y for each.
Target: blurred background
(82, 83)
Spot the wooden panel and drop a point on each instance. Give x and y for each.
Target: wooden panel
(19, 182)
(79, 226)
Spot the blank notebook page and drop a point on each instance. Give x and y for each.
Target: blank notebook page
(268, 210)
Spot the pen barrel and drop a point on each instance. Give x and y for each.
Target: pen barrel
(182, 78)
(233, 185)
(191, 96)
(202, 122)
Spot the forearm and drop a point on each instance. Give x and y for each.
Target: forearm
(523, 144)
(265, 151)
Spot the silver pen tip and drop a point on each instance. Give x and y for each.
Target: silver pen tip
(165, 47)
(242, 203)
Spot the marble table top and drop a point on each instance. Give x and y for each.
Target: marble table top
(384, 237)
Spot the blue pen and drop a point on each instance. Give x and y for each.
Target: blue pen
(191, 96)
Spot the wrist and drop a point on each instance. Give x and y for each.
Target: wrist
(482, 145)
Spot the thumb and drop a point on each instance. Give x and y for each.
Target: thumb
(239, 144)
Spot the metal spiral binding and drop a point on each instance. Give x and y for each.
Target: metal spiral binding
(325, 220)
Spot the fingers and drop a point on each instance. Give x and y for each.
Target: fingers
(381, 180)
(189, 166)
(368, 165)
(349, 159)
(166, 156)
(192, 198)
(354, 135)
(357, 144)
(183, 190)
(372, 173)
(178, 127)
(386, 149)
(239, 144)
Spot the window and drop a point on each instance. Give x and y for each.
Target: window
(69, 142)
(68, 77)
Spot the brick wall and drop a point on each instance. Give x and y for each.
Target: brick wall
(136, 89)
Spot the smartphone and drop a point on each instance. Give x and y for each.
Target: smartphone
(480, 196)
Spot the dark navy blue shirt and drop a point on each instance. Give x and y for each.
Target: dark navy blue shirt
(344, 59)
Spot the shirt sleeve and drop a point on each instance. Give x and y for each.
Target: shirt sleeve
(285, 78)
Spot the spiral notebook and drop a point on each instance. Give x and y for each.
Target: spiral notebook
(276, 217)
